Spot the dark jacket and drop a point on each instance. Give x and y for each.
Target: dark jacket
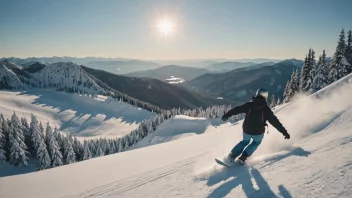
(257, 113)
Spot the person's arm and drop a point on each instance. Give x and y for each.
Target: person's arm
(237, 110)
(273, 120)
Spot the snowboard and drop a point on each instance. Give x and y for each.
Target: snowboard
(227, 165)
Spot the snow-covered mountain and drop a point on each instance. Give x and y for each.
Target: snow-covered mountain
(315, 162)
(114, 65)
(68, 76)
(9, 79)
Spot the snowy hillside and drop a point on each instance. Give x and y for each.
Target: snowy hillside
(81, 115)
(177, 128)
(67, 76)
(315, 162)
(10, 76)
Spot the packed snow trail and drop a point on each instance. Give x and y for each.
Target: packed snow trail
(315, 162)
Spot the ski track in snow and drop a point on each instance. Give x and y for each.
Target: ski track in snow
(123, 186)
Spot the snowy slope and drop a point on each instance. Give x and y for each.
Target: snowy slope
(82, 115)
(67, 74)
(315, 162)
(6, 72)
(58, 75)
(177, 128)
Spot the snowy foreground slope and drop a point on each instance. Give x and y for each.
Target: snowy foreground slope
(315, 162)
(81, 115)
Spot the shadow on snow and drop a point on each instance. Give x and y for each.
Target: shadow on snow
(242, 176)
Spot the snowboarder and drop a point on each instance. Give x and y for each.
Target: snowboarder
(257, 113)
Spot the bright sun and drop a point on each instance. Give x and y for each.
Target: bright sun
(166, 27)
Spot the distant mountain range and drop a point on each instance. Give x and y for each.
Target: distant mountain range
(240, 84)
(156, 92)
(71, 77)
(165, 72)
(114, 65)
(125, 65)
(228, 66)
(207, 62)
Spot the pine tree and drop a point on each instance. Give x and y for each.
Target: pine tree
(41, 129)
(120, 145)
(43, 158)
(48, 134)
(312, 73)
(286, 89)
(273, 101)
(77, 148)
(86, 151)
(35, 133)
(26, 133)
(69, 154)
(6, 132)
(339, 65)
(348, 51)
(54, 150)
(99, 152)
(293, 87)
(18, 149)
(2, 145)
(278, 101)
(307, 72)
(321, 78)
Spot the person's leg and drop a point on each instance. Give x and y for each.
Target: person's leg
(257, 140)
(238, 149)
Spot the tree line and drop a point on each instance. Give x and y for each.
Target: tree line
(315, 75)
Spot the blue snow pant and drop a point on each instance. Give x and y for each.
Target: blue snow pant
(246, 142)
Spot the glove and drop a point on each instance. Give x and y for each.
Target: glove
(287, 136)
(224, 118)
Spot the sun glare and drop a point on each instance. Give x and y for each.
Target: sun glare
(166, 27)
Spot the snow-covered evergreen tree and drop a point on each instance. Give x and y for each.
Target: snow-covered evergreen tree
(273, 101)
(278, 101)
(54, 150)
(48, 134)
(26, 133)
(293, 87)
(339, 64)
(86, 151)
(321, 78)
(2, 145)
(312, 73)
(18, 149)
(41, 152)
(41, 129)
(6, 132)
(69, 154)
(99, 152)
(286, 89)
(307, 73)
(43, 158)
(348, 51)
(36, 136)
(77, 148)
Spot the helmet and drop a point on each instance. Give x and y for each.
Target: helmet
(262, 92)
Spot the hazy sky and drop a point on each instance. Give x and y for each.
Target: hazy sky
(205, 28)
